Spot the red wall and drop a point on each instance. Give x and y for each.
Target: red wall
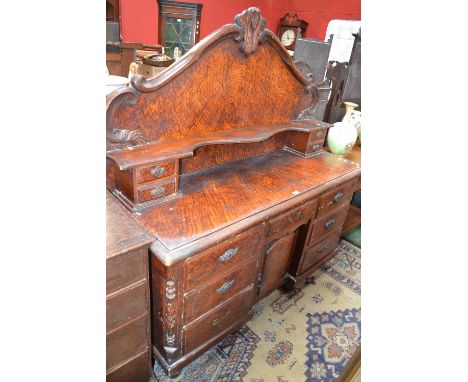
(139, 18)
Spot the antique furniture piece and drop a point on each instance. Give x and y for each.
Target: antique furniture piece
(127, 302)
(179, 25)
(290, 29)
(218, 159)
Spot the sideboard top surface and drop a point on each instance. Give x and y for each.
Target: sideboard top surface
(217, 197)
(123, 232)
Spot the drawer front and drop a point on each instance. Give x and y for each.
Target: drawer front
(327, 224)
(126, 306)
(290, 220)
(207, 327)
(155, 171)
(135, 370)
(319, 251)
(126, 269)
(319, 134)
(222, 257)
(332, 199)
(205, 298)
(126, 341)
(315, 146)
(155, 190)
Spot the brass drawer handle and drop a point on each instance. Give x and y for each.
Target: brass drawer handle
(315, 148)
(157, 191)
(319, 133)
(329, 223)
(158, 170)
(226, 256)
(338, 197)
(322, 248)
(225, 287)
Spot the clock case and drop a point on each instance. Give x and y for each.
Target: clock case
(291, 21)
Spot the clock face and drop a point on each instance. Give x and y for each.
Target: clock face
(287, 38)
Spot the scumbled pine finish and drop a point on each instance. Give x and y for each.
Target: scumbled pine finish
(215, 160)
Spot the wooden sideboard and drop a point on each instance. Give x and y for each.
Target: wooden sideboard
(219, 159)
(127, 303)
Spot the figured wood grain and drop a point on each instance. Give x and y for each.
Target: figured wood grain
(236, 190)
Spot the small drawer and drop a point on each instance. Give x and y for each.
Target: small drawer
(207, 327)
(327, 224)
(334, 198)
(126, 269)
(315, 147)
(290, 220)
(222, 257)
(318, 134)
(155, 190)
(155, 171)
(126, 306)
(126, 341)
(208, 296)
(319, 251)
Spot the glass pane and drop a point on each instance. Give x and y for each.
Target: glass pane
(178, 33)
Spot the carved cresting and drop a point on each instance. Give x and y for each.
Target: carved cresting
(252, 24)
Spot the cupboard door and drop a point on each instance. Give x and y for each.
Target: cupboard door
(277, 257)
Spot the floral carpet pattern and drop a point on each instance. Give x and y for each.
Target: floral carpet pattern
(307, 335)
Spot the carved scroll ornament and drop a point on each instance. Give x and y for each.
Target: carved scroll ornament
(253, 25)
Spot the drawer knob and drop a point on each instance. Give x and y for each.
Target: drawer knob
(322, 248)
(319, 133)
(338, 197)
(329, 223)
(226, 256)
(157, 191)
(225, 287)
(158, 170)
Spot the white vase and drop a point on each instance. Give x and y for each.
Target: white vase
(343, 135)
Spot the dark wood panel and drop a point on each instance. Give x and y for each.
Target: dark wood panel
(124, 270)
(277, 258)
(126, 305)
(126, 341)
(137, 369)
(290, 220)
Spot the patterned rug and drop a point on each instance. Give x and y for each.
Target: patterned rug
(306, 335)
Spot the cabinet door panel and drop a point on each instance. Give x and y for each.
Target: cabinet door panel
(277, 258)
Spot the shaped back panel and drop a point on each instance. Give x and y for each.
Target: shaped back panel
(238, 76)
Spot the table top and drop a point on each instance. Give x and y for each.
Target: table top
(220, 196)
